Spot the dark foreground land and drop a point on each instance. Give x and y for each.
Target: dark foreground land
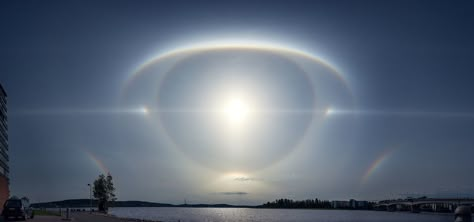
(78, 217)
(42, 219)
(85, 217)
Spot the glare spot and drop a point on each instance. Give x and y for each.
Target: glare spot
(329, 111)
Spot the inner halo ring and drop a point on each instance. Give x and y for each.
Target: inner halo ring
(287, 53)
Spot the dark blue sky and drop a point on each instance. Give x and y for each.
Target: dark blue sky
(409, 65)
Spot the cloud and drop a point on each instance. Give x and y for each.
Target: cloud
(246, 179)
(233, 193)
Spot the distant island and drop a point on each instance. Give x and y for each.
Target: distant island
(279, 203)
(412, 204)
(85, 203)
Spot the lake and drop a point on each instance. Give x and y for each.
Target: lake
(175, 214)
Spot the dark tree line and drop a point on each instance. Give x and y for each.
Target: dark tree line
(287, 203)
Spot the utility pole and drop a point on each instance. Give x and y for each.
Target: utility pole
(90, 197)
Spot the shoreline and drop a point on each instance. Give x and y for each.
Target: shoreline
(267, 208)
(111, 216)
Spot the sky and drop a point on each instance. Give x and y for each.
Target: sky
(239, 102)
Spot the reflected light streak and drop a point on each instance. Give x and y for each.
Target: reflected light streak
(236, 110)
(401, 113)
(80, 111)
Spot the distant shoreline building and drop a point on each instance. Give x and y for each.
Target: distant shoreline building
(351, 204)
(338, 204)
(4, 159)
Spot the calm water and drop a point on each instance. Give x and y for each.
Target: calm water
(279, 215)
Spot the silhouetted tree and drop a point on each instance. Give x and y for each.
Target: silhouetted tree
(104, 191)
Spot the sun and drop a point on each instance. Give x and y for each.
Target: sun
(236, 110)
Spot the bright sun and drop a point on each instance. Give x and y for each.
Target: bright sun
(236, 110)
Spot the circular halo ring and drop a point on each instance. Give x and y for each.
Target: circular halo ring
(270, 48)
(186, 54)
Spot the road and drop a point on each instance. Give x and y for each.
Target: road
(43, 219)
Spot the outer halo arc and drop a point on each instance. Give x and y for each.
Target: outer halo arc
(259, 47)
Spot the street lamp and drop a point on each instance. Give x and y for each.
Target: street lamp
(90, 197)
